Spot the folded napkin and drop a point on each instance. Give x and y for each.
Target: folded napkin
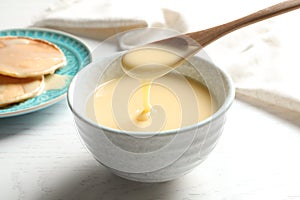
(99, 19)
(262, 59)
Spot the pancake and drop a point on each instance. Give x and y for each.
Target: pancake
(13, 90)
(23, 57)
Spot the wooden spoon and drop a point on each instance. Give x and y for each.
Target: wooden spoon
(186, 45)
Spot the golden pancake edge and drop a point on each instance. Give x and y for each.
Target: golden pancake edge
(23, 57)
(14, 90)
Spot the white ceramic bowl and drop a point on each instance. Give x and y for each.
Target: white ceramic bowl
(147, 157)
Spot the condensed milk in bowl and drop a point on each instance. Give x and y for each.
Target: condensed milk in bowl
(154, 127)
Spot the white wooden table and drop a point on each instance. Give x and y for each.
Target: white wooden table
(42, 157)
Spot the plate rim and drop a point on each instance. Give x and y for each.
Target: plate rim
(53, 100)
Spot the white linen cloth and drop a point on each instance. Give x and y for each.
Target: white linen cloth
(262, 59)
(99, 19)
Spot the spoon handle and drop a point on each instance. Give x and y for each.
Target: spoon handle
(205, 37)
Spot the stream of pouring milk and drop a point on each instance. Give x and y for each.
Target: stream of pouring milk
(153, 61)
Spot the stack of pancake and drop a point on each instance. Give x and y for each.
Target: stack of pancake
(23, 63)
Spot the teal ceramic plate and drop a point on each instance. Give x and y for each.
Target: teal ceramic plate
(77, 54)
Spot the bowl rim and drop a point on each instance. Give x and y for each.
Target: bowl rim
(222, 110)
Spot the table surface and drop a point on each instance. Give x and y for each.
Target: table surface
(42, 157)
